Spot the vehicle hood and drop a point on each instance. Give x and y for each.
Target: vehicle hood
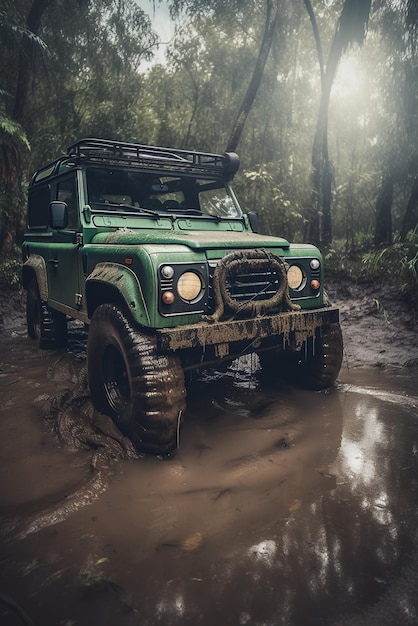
(196, 240)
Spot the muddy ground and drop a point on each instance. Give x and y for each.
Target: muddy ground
(281, 507)
(379, 321)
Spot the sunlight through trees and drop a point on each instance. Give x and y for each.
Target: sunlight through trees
(321, 124)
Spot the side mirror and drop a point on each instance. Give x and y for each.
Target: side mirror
(58, 214)
(254, 223)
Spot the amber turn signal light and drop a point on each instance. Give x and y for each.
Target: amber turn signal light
(168, 297)
(315, 284)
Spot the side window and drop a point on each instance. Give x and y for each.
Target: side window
(67, 192)
(38, 207)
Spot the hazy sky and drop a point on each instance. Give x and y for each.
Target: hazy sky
(160, 19)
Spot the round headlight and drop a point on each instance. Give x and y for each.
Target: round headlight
(295, 277)
(167, 271)
(189, 286)
(314, 263)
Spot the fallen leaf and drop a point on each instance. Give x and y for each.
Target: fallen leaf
(192, 542)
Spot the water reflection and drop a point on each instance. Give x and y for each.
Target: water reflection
(264, 552)
(338, 550)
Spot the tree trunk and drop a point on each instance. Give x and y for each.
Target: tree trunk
(383, 228)
(328, 179)
(410, 219)
(270, 27)
(33, 23)
(351, 27)
(317, 37)
(319, 214)
(320, 221)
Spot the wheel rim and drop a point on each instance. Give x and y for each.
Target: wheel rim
(116, 379)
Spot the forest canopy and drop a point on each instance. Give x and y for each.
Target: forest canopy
(319, 98)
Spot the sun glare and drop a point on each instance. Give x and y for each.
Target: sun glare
(350, 79)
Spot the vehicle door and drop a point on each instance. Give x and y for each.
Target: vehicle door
(63, 264)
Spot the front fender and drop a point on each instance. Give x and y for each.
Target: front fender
(35, 265)
(108, 278)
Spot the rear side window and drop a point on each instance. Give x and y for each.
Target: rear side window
(38, 207)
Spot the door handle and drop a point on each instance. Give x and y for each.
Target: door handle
(53, 262)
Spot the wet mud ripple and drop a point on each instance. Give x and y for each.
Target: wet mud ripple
(71, 415)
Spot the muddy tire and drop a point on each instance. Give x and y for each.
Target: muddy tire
(317, 368)
(142, 390)
(44, 325)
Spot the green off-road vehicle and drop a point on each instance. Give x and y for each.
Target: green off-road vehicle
(150, 248)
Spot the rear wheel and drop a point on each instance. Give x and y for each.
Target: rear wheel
(43, 324)
(141, 389)
(316, 368)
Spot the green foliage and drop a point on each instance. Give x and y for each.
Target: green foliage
(12, 142)
(11, 28)
(342, 261)
(353, 210)
(93, 82)
(400, 259)
(279, 207)
(382, 311)
(90, 84)
(13, 130)
(12, 207)
(10, 270)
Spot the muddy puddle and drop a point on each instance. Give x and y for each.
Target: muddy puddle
(281, 506)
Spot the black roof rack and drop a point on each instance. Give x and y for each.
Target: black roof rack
(104, 149)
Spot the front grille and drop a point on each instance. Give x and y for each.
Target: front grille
(253, 282)
(257, 285)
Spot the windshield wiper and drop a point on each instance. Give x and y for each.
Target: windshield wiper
(129, 208)
(112, 207)
(138, 209)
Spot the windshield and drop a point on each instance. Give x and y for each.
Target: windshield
(122, 189)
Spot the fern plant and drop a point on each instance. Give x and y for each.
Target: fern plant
(399, 259)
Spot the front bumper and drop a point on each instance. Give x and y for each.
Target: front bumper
(293, 327)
